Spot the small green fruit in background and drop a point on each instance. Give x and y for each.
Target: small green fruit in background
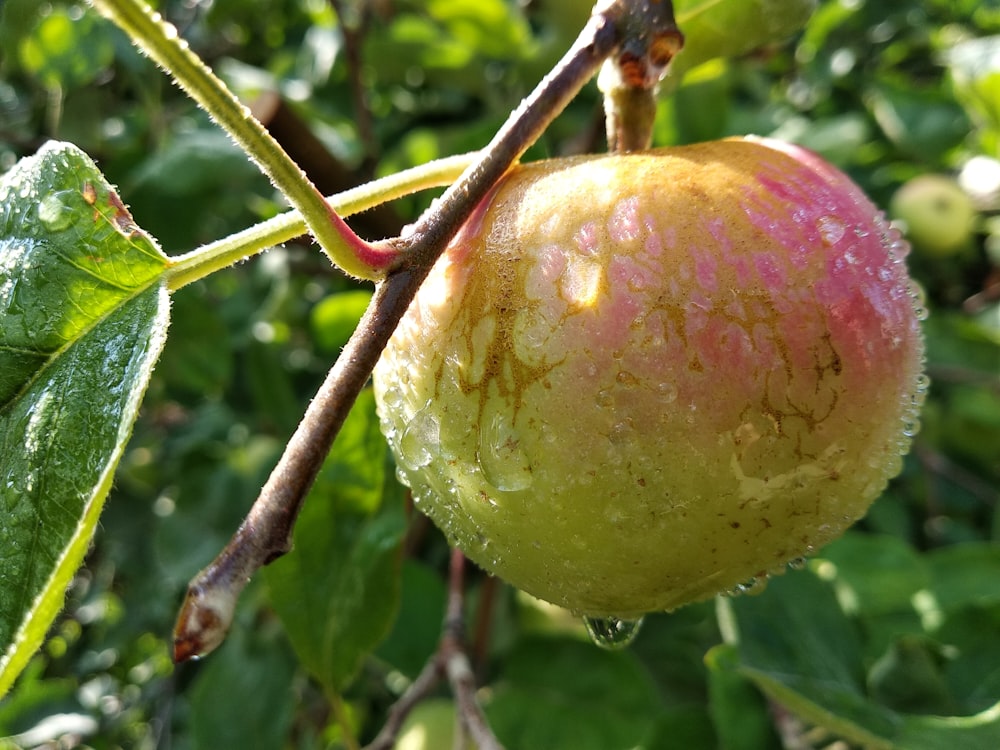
(635, 381)
(430, 726)
(938, 216)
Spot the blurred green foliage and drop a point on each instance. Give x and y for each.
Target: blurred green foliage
(884, 632)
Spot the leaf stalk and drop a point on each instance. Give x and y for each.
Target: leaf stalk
(160, 40)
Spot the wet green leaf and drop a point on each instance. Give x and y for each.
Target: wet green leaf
(337, 592)
(82, 321)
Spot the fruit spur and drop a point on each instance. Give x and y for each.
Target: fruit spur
(635, 381)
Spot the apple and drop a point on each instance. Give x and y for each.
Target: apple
(635, 381)
(429, 726)
(937, 215)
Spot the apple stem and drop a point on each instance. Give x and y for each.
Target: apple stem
(630, 78)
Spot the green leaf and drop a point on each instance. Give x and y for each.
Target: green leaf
(417, 629)
(243, 696)
(965, 574)
(877, 577)
(65, 50)
(560, 692)
(728, 28)
(83, 318)
(799, 647)
(738, 709)
(337, 592)
(923, 123)
(975, 72)
(334, 318)
(689, 727)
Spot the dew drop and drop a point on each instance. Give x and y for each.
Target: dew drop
(612, 633)
(751, 587)
(831, 229)
(668, 392)
(798, 563)
(500, 456)
(53, 213)
(420, 440)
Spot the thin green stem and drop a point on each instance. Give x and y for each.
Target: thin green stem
(223, 253)
(160, 41)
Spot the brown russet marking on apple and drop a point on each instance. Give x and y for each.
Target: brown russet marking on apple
(634, 381)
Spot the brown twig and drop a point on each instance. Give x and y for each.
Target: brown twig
(419, 689)
(483, 626)
(449, 661)
(456, 663)
(265, 534)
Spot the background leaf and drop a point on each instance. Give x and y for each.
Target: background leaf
(82, 321)
(245, 697)
(802, 649)
(337, 592)
(709, 25)
(544, 699)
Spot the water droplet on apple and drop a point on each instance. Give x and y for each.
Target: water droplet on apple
(831, 229)
(751, 587)
(420, 440)
(500, 456)
(612, 633)
(668, 391)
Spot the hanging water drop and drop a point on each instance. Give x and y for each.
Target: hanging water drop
(612, 633)
(500, 457)
(751, 587)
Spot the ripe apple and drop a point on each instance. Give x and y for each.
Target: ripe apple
(635, 381)
(938, 216)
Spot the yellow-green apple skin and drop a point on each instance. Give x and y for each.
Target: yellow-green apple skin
(430, 726)
(635, 381)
